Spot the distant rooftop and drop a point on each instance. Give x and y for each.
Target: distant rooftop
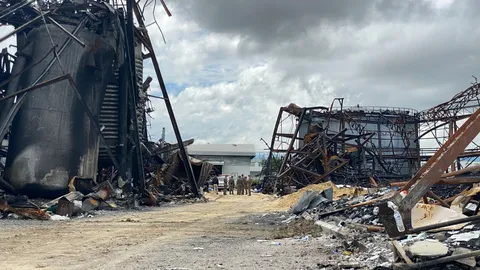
(247, 150)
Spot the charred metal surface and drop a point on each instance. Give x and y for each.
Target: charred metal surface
(437, 124)
(52, 137)
(348, 144)
(91, 107)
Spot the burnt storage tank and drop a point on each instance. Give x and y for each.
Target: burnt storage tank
(52, 138)
(394, 140)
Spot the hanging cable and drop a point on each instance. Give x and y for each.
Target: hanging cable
(155, 20)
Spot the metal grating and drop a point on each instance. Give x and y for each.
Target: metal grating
(109, 118)
(140, 97)
(110, 109)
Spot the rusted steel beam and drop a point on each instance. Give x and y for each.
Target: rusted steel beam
(330, 172)
(373, 182)
(306, 171)
(272, 143)
(301, 161)
(425, 199)
(449, 181)
(474, 168)
(292, 141)
(445, 224)
(436, 197)
(145, 39)
(401, 252)
(429, 174)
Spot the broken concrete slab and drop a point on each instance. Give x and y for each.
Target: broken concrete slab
(331, 229)
(428, 248)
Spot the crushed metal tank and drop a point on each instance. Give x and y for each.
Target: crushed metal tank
(52, 138)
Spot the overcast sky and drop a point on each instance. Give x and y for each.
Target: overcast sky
(230, 65)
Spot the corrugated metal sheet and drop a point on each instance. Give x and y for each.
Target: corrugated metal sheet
(140, 97)
(110, 108)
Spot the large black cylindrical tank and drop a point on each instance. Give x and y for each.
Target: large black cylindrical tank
(52, 138)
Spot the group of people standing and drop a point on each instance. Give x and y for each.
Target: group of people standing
(243, 185)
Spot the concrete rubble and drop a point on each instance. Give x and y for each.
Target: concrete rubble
(427, 248)
(342, 178)
(351, 217)
(357, 173)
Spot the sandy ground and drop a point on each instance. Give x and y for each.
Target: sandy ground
(221, 234)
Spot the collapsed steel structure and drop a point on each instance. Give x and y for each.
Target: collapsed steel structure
(357, 144)
(442, 121)
(72, 98)
(353, 144)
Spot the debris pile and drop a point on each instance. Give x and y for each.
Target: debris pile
(166, 183)
(358, 168)
(101, 157)
(352, 215)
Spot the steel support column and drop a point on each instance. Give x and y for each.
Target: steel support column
(183, 152)
(140, 176)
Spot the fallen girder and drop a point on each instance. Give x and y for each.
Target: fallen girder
(426, 177)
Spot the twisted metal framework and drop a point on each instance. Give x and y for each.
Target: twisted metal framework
(439, 123)
(394, 150)
(116, 17)
(384, 136)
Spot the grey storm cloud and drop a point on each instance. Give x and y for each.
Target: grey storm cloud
(273, 20)
(415, 46)
(258, 55)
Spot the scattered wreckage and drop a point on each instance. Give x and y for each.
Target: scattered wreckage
(340, 174)
(166, 183)
(74, 108)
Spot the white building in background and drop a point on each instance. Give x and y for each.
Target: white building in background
(231, 159)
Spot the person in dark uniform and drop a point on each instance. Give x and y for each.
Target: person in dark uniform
(215, 184)
(225, 185)
(239, 185)
(231, 185)
(249, 186)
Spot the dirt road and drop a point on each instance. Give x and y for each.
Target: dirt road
(220, 234)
